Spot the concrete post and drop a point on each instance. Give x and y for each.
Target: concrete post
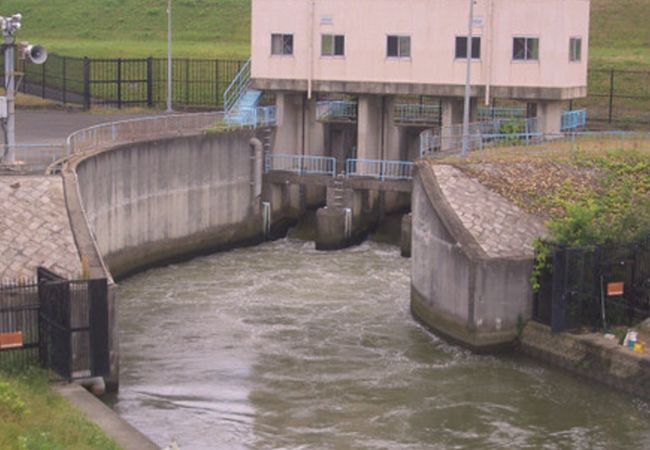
(549, 117)
(452, 118)
(289, 131)
(369, 123)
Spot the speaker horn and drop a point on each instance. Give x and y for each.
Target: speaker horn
(37, 54)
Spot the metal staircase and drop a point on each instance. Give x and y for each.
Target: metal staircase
(240, 101)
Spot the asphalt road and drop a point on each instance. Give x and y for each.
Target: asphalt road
(52, 127)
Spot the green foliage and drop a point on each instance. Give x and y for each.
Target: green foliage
(11, 406)
(616, 210)
(540, 264)
(33, 417)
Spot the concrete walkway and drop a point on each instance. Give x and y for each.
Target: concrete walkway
(53, 127)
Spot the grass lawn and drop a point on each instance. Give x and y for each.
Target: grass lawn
(33, 417)
(620, 35)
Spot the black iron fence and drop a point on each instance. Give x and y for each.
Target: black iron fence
(595, 287)
(617, 98)
(59, 324)
(196, 83)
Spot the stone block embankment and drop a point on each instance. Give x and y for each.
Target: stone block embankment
(472, 258)
(34, 228)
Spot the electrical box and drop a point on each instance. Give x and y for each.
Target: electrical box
(3, 107)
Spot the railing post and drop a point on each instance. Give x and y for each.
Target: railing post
(43, 80)
(187, 82)
(611, 95)
(64, 70)
(86, 77)
(216, 83)
(383, 170)
(150, 82)
(119, 83)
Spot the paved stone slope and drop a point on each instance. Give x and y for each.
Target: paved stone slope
(500, 227)
(34, 228)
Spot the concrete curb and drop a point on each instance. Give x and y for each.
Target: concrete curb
(116, 428)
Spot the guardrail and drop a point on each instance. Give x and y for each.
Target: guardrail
(35, 157)
(492, 113)
(140, 129)
(573, 120)
(237, 87)
(379, 169)
(416, 113)
(336, 110)
(300, 164)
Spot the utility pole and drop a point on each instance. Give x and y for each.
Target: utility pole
(10, 25)
(468, 81)
(37, 55)
(169, 56)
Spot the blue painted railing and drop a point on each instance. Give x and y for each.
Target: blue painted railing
(416, 113)
(573, 120)
(379, 169)
(336, 110)
(491, 113)
(237, 87)
(300, 164)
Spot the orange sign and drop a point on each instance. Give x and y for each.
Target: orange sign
(615, 289)
(11, 340)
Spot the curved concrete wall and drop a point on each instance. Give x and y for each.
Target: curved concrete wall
(151, 201)
(456, 290)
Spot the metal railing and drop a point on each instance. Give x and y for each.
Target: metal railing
(573, 120)
(379, 169)
(237, 87)
(481, 134)
(261, 116)
(492, 113)
(140, 129)
(336, 110)
(300, 164)
(35, 157)
(417, 113)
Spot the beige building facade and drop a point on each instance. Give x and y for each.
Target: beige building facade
(376, 50)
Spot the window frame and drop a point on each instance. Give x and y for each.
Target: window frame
(526, 58)
(399, 38)
(334, 38)
(282, 36)
(573, 58)
(461, 58)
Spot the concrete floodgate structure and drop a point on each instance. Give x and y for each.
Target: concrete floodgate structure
(472, 257)
(361, 80)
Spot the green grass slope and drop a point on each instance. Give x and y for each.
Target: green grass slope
(620, 34)
(135, 28)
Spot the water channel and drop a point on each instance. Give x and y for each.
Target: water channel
(283, 347)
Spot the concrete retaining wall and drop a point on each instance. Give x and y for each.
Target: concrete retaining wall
(591, 356)
(151, 201)
(146, 203)
(457, 290)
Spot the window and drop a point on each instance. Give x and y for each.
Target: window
(575, 49)
(399, 47)
(282, 44)
(332, 45)
(525, 49)
(461, 47)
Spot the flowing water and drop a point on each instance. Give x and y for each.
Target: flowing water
(283, 347)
